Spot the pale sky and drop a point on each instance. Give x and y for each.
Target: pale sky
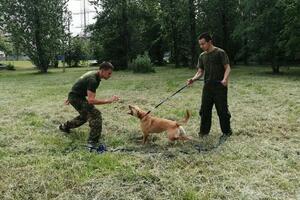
(77, 9)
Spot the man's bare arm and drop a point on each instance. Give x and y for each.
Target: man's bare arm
(198, 75)
(226, 75)
(92, 99)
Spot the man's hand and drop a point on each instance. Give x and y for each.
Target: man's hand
(190, 81)
(226, 75)
(114, 99)
(67, 102)
(196, 77)
(224, 82)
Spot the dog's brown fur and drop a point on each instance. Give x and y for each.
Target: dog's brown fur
(150, 124)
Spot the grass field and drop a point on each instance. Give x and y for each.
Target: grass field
(260, 161)
(27, 65)
(20, 65)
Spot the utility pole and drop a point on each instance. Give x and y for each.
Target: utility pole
(84, 19)
(84, 12)
(66, 40)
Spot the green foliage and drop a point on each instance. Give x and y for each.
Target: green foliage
(10, 67)
(36, 27)
(265, 32)
(125, 29)
(289, 38)
(250, 31)
(220, 19)
(176, 28)
(79, 50)
(110, 33)
(268, 32)
(142, 64)
(5, 45)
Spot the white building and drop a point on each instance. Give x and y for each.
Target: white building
(2, 55)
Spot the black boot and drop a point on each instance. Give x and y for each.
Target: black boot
(63, 128)
(224, 137)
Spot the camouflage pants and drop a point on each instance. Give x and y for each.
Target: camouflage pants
(87, 112)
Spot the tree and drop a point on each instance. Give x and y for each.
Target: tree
(111, 33)
(78, 50)
(289, 39)
(219, 17)
(146, 31)
(126, 29)
(175, 19)
(5, 45)
(37, 26)
(262, 31)
(192, 12)
(249, 30)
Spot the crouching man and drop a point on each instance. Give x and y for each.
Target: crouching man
(83, 98)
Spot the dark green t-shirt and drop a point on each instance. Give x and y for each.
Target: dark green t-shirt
(213, 64)
(88, 81)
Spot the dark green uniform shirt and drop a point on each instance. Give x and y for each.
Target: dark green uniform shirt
(88, 81)
(213, 64)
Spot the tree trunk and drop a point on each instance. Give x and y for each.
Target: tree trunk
(156, 52)
(245, 56)
(125, 35)
(174, 33)
(175, 43)
(41, 62)
(192, 32)
(225, 26)
(275, 69)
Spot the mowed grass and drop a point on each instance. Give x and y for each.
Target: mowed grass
(28, 65)
(20, 65)
(259, 161)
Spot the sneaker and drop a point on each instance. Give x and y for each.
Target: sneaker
(202, 135)
(199, 147)
(63, 128)
(102, 148)
(93, 147)
(223, 138)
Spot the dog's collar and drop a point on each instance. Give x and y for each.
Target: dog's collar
(147, 113)
(143, 116)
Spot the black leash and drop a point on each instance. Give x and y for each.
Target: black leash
(163, 101)
(166, 99)
(102, 148)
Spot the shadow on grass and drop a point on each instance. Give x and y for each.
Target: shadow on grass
(151, 148)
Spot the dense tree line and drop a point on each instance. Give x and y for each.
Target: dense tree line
(266, 32)
(249, 30)
(36, 27)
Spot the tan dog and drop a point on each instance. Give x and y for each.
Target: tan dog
(150, 124)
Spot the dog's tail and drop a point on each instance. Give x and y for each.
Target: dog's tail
(186, 118)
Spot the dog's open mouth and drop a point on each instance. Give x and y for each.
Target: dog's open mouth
(130, 112)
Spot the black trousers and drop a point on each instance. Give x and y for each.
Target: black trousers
(214, 94)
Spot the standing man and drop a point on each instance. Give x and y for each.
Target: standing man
(83, 98)
(214, 64)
